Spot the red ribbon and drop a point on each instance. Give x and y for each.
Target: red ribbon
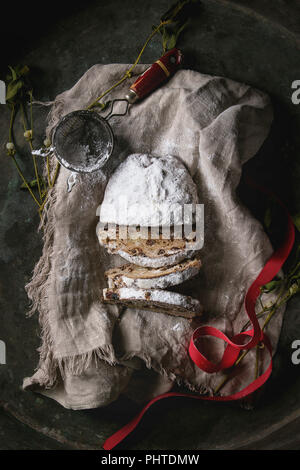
(234, 345)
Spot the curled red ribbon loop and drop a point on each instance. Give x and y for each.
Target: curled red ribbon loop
(231, 353)
(271, 268)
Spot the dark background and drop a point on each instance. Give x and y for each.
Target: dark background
(256, 42)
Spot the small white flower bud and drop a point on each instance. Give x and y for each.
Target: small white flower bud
(28, 134)
(10, 146)
(47, 142)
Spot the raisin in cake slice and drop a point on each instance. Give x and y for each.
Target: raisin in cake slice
(162, 301)
(130, 275)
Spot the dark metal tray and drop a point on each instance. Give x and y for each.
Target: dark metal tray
(246, 41)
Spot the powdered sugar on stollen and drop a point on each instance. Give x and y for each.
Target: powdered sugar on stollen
(150, 186)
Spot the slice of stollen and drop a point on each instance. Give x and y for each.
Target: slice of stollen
(162, 301)
(152, 253)
(156, 262)
(130, 275)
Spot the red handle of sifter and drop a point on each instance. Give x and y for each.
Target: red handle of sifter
(155, 75)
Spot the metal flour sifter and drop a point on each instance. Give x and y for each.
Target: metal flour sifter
(83, 140)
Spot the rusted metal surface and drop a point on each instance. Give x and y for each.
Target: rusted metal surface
(243, 40)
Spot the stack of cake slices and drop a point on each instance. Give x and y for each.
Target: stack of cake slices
(138, 285)
(155, 263)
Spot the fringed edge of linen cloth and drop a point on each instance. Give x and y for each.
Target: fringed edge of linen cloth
(37, 288)
(37, 293)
